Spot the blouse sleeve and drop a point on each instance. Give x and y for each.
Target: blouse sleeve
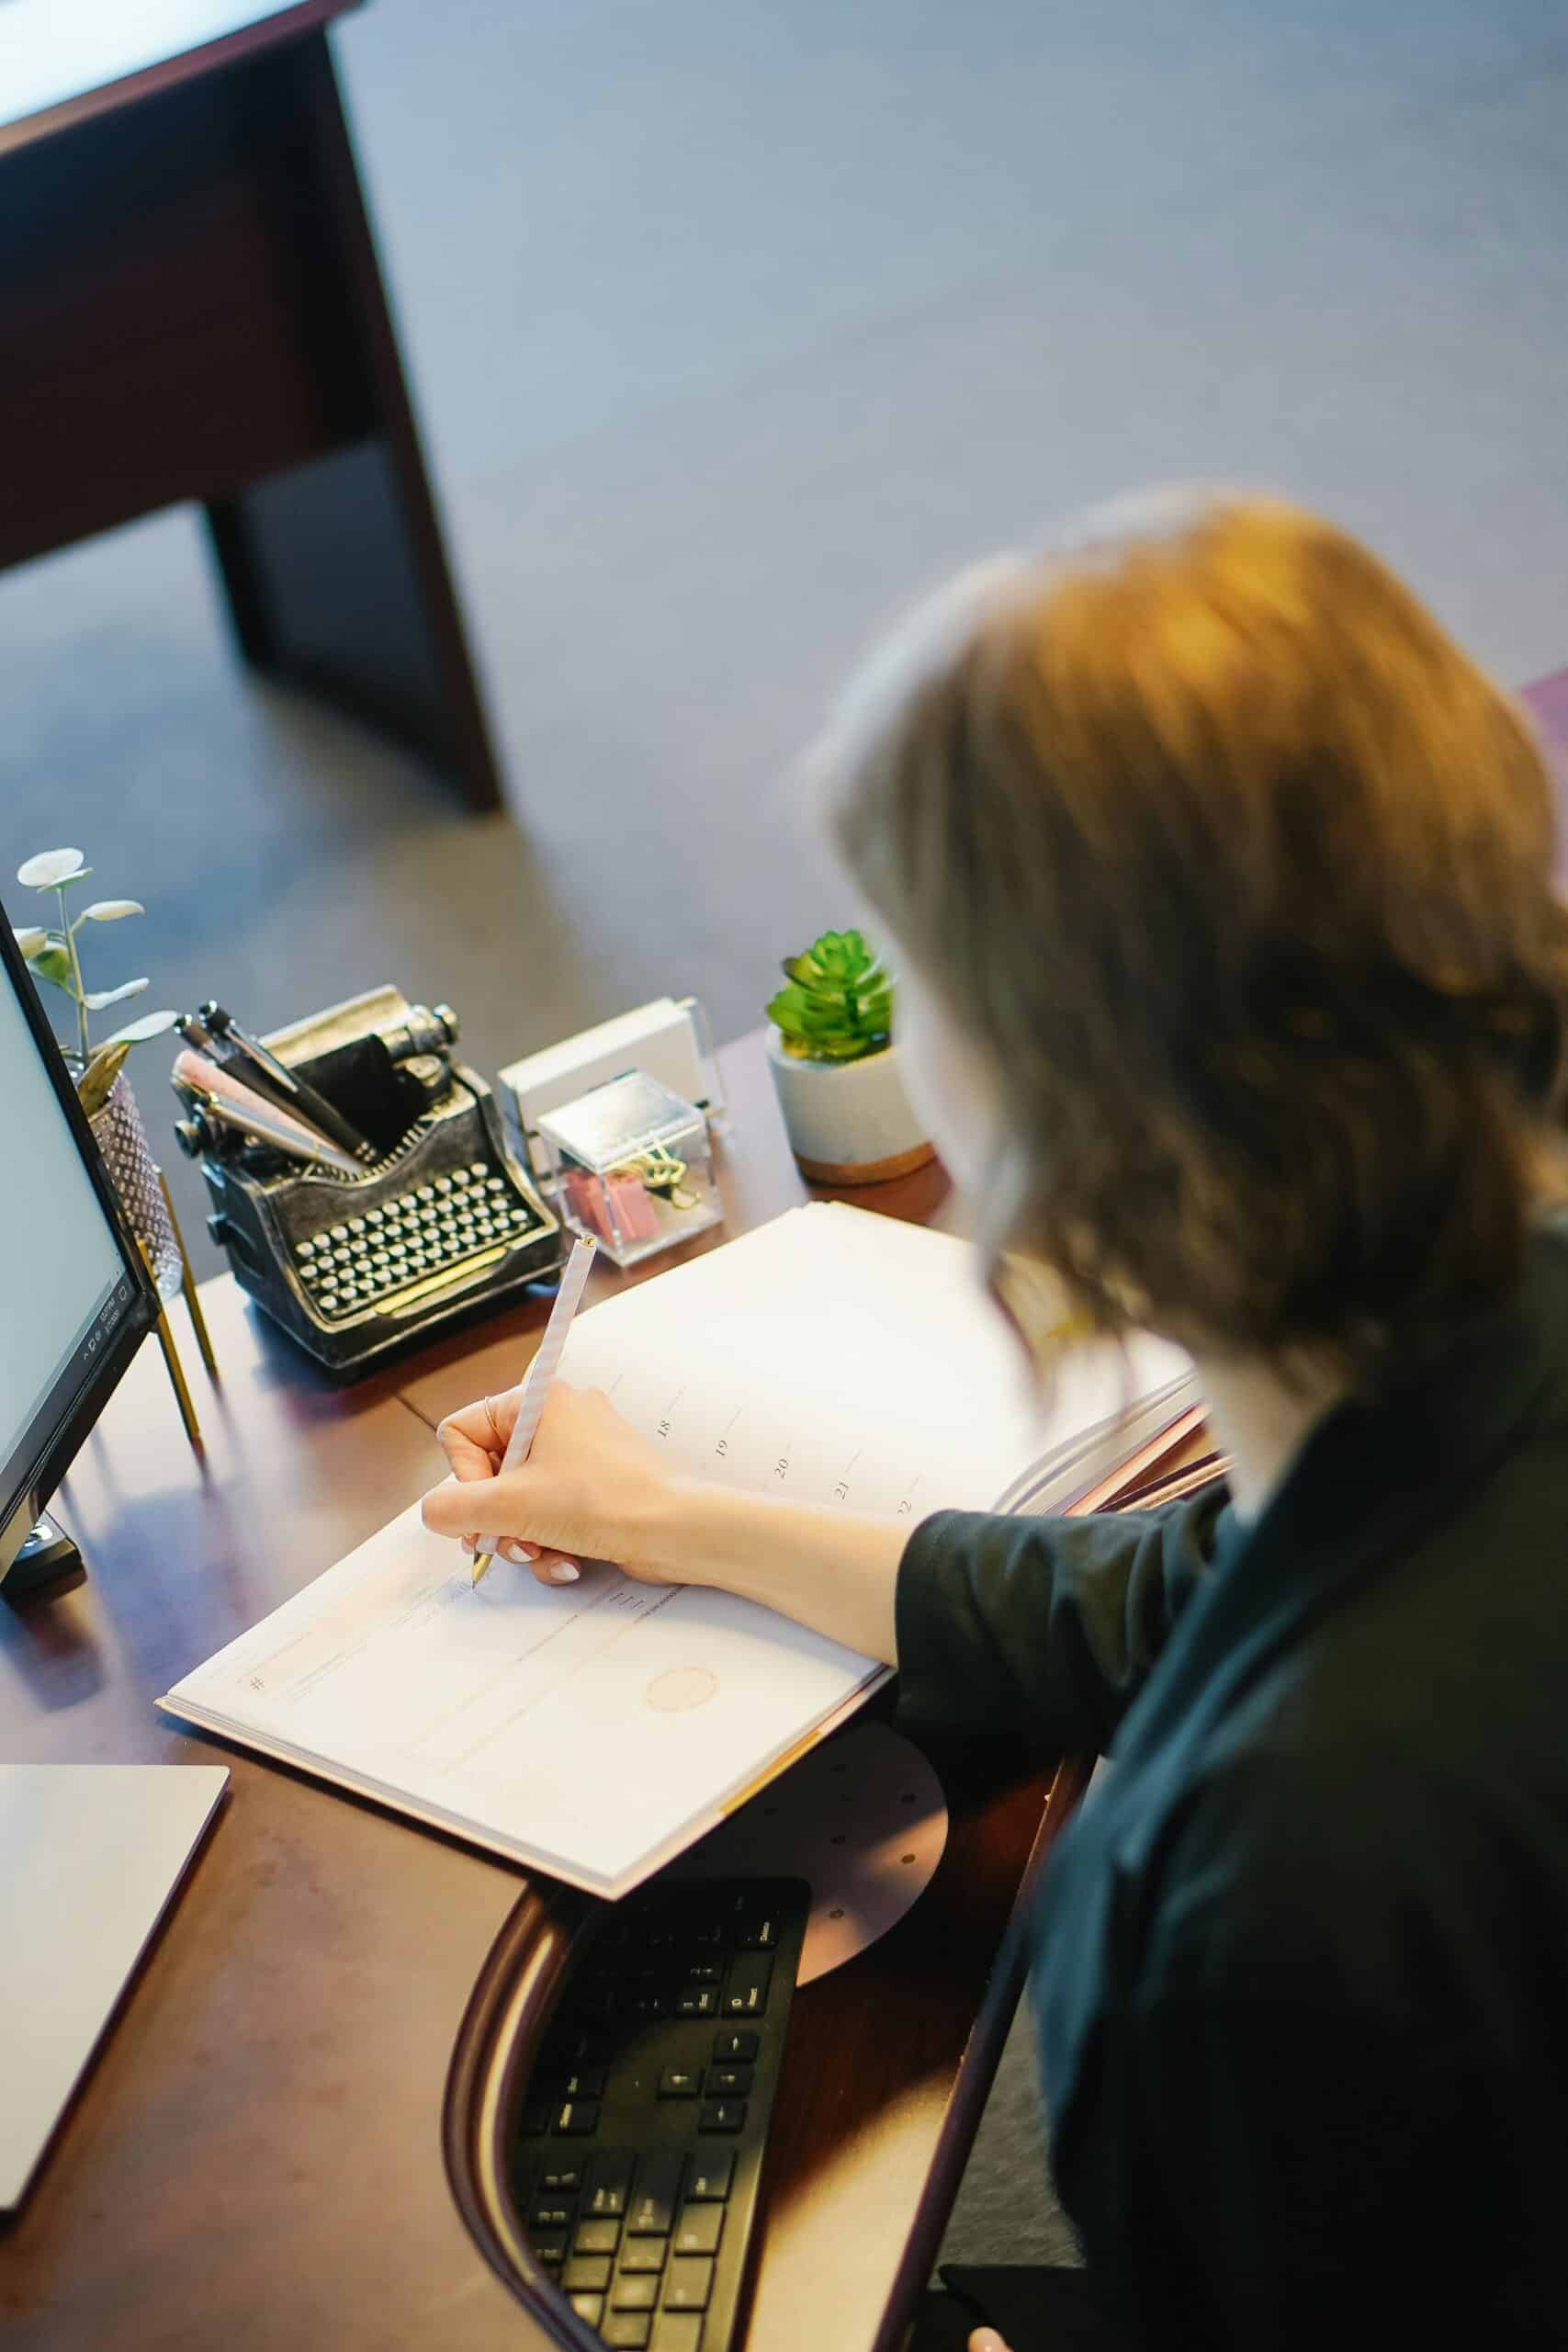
(1042, 1626)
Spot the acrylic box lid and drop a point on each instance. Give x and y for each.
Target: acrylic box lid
(615, 1121)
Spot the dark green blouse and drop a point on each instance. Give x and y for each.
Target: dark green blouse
(1300, 1968)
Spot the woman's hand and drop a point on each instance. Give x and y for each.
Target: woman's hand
(589, 1489)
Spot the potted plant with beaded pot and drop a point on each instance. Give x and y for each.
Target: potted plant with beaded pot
(835, 1066)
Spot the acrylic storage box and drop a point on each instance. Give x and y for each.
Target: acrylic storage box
(630, 1166)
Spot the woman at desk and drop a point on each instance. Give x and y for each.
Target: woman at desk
(1218, 877)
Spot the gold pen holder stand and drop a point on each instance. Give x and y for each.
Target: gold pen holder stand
(144, 1195)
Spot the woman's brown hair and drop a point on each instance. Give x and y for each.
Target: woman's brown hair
(1237, 871)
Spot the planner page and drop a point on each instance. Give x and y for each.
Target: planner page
(579, 1728)
(837, 1356)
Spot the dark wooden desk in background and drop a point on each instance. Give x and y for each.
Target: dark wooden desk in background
(255, 2159)
(191, 309)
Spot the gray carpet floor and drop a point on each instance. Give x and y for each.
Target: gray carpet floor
(732, 326)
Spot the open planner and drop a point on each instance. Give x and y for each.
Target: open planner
(592, 1731)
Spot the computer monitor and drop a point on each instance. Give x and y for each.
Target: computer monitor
(75, 1299)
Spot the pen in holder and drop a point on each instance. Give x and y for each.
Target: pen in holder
(356, 1258)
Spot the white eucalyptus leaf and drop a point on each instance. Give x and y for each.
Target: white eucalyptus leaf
(50, 867)
(111, 910)
(95, 999)
(52, 963)
(152, 1024)
(31, 938)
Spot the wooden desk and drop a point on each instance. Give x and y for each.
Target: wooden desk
(191, 308)
(255, 2159)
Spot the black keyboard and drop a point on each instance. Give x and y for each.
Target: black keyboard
(639, 2145)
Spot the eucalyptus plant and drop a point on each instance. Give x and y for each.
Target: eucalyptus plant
(836, 1005)
(53, 954)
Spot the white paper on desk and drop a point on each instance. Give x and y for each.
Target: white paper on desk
(587, 1730)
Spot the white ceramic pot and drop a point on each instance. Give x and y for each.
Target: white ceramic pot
(848, 1123)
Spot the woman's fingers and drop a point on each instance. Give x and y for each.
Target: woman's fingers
(556, 1567)
(475, 1439)
(986, 2340)
(549, 1567)
(452, 1507)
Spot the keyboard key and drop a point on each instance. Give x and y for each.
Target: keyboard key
(677, 2082)
(596, 2237)
(587, 2082)
(550, 2216)
(589, 2306)
(607, 2181)
(679, 2332)
(652, 2207)
(627, 2330)
(728, 2082)
(698, 2001)
(742, 2045)
(759, 1934)
(746, 1995)
(712, 2173)
(565, 2179)
(551, 2252)
(704, 1972)
(699, 2229)
(722, 2114)
(688, 2284)
(643, 2254)
(589, 2272)
(575, 2117)
(634, 2294)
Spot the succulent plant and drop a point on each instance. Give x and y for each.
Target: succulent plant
(52, 955)
(836, 1004)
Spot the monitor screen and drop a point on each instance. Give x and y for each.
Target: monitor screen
(64, 1283)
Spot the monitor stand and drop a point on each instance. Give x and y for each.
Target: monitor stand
(48, 1562)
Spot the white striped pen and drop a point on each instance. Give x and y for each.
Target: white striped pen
(540, 1374)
